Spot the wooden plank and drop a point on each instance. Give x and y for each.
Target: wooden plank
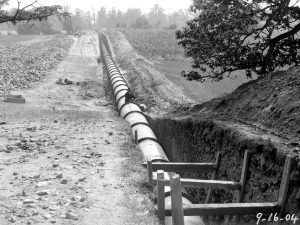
(213, 177)
(176, 198)
(214, 184)
(161, 196)
(284, 185)
(227, 209)
(14, 100)
(243, 176)
(150, 174)
(179, 167)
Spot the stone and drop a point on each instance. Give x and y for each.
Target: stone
(42, 183)
(64, 181)
(82, 179)
(72, 216)
(31, 128)
(43, 192)
(59, 176)
(12, 219)
(47, 216)
(28, 201)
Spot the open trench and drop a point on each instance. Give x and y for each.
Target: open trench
(196, 140)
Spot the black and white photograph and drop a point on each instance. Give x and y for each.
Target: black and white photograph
(150, 112)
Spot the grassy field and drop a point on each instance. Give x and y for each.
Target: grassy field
(8, 40)
(153, 43)
(198, 91)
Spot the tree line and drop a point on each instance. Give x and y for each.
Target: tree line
(60, 18)
(157, 18)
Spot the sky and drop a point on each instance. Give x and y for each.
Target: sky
(145, 5)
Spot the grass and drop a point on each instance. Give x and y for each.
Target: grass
(198, 91)
(154, 43)
(138, 195)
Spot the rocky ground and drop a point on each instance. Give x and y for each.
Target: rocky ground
(61, 159)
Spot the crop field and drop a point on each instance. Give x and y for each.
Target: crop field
(153, 43)
(22, 64)
(7, 40)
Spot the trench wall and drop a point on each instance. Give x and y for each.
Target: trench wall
(196, 140)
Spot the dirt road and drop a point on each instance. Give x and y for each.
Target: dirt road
(60, 157)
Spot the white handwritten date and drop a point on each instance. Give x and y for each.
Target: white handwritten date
(275, 218)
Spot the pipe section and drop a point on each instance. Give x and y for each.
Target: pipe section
(146, 139)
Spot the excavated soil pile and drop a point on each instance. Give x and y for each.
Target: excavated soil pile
(271, 102)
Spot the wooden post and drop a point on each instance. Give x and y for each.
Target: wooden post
(243, 181)
(150, 173)
(213, 177)
(284, 185)
(243, 176)
(161, 196)
(136, 137)
(176, 198)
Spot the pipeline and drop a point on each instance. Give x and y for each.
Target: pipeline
(146, 139)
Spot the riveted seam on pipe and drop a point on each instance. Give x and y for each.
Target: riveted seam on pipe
(126, 103)
(127, 114)
(148, 138)
(120, 91)
(117, 81)
(113, 78)
(140, 123)
(123, 96)
(119, 86)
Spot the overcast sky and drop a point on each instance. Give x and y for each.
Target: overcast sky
(169, 5)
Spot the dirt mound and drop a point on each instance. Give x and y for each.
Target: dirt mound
(151, 86)
(271, 103)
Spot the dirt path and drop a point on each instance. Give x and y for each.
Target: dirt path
(60, 159)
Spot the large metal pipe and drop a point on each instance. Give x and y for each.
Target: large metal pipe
(146, 139)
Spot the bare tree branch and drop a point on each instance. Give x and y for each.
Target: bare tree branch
(25, 14)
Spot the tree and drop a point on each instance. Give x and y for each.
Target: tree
(157, 17)
(67, 22)
(131, 15)
(111, 18)
(77, 19)
(34, 27)
(101, 17)
(227, 35)
(29, 12)
(141, 23)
